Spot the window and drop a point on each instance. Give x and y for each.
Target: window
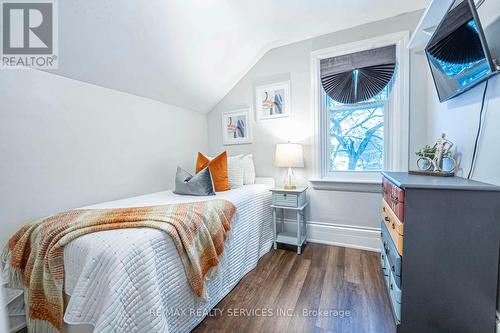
(356, 134)
(357, 139)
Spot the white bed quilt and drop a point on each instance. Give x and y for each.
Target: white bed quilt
(133, 280)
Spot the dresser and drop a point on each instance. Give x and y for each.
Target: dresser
(440, 239)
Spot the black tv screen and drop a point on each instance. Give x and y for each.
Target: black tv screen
(464, 49)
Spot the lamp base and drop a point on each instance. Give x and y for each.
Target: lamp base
(289, 185)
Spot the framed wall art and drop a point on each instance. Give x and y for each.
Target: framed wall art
(272, 101)
(236, 127)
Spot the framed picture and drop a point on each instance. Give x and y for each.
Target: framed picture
(272, 101)
(236, 127)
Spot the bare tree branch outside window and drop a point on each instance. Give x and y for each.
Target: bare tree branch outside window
(357, 134)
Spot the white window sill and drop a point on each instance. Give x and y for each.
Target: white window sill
(348, 184)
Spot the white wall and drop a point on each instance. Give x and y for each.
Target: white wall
(328, 209)
(459, 119)
(65, 144)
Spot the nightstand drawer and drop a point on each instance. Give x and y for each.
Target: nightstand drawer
(286, 199)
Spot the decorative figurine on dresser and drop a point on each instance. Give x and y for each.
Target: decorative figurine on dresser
(440, 241)
(296, 201)
(432, 160)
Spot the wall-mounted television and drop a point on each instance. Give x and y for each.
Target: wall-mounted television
(465, 48)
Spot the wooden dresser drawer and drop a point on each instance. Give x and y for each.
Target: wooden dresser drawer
(386, 270)
(382, 258)
(393, 291)
(390, 251)
(395, 295)
(395, 198)
(394, 226)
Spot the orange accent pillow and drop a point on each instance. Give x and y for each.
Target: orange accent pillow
(218, 169)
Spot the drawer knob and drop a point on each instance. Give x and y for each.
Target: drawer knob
(393, 226)
(394, 199)
(393, 269)
(392, 287)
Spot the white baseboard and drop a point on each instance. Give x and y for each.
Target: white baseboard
(362, 238)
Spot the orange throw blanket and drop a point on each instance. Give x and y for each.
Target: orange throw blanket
(34, 255)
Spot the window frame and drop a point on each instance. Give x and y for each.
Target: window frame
(396, 124)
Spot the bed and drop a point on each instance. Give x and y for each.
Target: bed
(132, 280)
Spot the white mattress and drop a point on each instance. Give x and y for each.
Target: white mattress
(119, 280)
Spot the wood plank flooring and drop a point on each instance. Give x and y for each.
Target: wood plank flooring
(285, 292)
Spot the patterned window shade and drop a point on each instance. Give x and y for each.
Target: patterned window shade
(357, 77)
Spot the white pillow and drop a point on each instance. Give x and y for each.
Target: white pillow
(248, 170)
(235, 171)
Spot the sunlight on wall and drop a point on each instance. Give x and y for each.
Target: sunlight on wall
(285, 131)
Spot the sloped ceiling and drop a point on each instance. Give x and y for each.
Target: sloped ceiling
(190, 53)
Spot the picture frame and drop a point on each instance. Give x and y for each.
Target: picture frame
(272, 101)
(236, 127)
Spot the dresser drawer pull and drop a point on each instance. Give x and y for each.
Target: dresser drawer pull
(392, 287)
(387, 219)
(393, 226)
(394, 199)
(384, 189)
(393, 269)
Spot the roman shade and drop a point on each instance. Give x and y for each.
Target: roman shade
(357, 77)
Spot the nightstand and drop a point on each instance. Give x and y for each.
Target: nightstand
(296, 201)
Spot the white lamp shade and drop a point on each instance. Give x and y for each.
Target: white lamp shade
(289, 155)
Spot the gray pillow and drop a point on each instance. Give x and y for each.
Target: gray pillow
(199, 184)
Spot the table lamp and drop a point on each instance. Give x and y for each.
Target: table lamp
(289, 155)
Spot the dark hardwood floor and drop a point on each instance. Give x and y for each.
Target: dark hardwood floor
(285, 291)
